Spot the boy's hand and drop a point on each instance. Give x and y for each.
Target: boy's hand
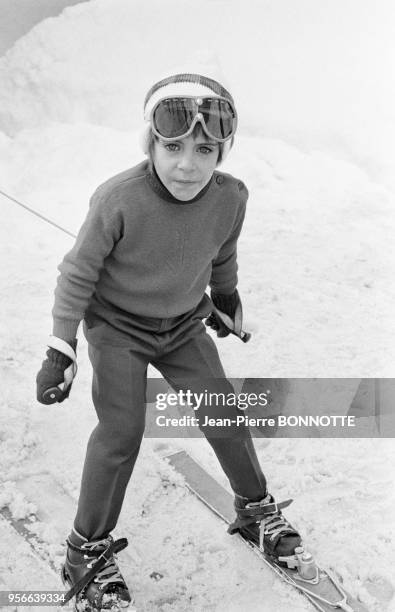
(227, 304)
(216, 325)
(55, 378)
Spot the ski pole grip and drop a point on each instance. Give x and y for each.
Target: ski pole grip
(233, 326)
(52, 395)
(56, 394)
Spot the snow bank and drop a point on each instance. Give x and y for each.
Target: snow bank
(317, 74)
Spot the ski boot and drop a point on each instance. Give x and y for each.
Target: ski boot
(92, 575)
(263, 524)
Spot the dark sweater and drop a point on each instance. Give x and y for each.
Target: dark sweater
(143, 251)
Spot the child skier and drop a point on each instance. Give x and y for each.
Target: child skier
(154, 238)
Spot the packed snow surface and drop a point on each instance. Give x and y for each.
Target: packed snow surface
(315, 148)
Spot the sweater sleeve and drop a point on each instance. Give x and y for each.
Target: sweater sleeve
(80, 268)
(224, 273)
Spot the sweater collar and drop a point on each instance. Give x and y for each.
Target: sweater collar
(165, 194)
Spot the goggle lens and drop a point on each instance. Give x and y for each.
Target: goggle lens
(173, 117)
(218, 117)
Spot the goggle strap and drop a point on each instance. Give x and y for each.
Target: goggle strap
(191, 78)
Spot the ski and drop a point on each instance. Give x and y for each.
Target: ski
(323, 589)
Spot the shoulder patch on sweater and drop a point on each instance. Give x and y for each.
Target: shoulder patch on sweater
(236, 185)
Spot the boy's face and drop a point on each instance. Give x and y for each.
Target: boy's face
(185, 166)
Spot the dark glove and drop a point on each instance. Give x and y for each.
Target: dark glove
(228, 305)
(52, 374)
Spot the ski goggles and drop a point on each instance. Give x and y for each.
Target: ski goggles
(175, 117)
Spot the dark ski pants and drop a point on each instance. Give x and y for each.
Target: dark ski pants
(186, 356)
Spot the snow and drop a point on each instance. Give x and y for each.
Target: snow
(316, 255)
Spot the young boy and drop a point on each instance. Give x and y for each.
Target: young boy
(155, 237)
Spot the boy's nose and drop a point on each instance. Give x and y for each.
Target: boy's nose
(186, 162)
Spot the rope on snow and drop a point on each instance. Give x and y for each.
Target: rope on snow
(34, 212)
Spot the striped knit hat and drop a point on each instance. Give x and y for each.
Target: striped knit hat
(184, 84)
